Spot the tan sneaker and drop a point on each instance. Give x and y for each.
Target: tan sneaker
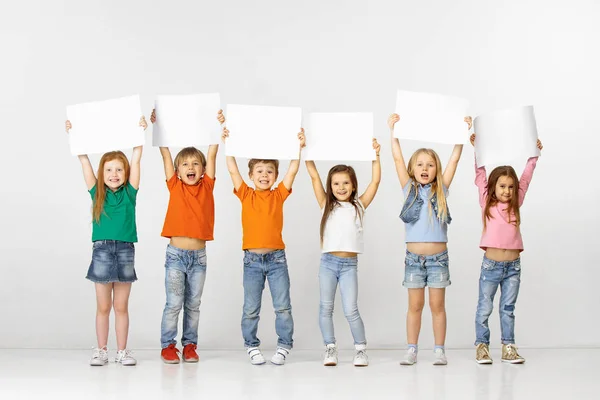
(483, 354)
(510, 355)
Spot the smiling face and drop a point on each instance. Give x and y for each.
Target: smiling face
(424, 168)
(190, 170)
(341, 186)
(504, 190)
(114, 174)
(263, 175)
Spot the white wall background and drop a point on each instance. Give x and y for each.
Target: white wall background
(323, 56)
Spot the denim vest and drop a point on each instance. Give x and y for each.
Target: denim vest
(413, 203)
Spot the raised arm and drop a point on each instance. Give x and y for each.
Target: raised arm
(211, 157)
(369, 194)
(86, 165)
(317, 184)
(136, 158)
(288, 179)
(232, 167)
(454, 159)
(527, 174)
(480, 177)
(397, 152)
(166, 154)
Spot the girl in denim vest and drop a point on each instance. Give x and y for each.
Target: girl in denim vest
(500, 198)
(114, 232)
(426, 217)
(341, 241)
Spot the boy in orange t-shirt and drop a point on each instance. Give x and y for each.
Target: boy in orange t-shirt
(264, 254)
(189, 225)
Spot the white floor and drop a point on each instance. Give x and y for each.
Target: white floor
(547, 374)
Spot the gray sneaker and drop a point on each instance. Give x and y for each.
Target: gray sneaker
(440, 357)
(410, 357)
(330, 359)
(100, 357)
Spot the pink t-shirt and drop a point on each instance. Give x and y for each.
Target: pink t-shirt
(500, 233)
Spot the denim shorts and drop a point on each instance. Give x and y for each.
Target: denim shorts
(421, 271)
(112, 261)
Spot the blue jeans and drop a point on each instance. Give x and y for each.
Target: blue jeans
(507, 274)
(273, 267)
(344, 271)
(184, 281)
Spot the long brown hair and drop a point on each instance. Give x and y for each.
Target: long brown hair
(437, 186)
(98, 204)
(491, 200)
(331, 202)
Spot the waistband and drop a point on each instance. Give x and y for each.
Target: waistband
(176, 251)
(434, 257)
(270, 256)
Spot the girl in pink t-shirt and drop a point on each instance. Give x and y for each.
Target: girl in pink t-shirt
(500, 198)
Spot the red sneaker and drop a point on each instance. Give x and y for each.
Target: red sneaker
(169, 354)
(189, 353)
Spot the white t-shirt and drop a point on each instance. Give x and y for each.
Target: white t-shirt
(343, 229)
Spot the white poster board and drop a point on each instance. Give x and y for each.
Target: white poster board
(186, 120)
(102, 126)
(263, 132)
(506, 135)
(339, 136)
(431, 117)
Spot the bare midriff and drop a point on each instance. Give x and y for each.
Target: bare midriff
(495, 254)
(187, 243)
(343, 254)
(426, 249)
(261, 250)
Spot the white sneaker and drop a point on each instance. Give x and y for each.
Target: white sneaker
(280, 356)
(100, 357)
(360, 358)
(124, 357)
(256, 357)
(331, 355)
(440, 357)
(410, 357)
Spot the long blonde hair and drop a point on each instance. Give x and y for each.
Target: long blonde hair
(437, 186)
(98, 204)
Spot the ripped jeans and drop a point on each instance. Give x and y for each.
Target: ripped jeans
(507, 275)
(185, 273)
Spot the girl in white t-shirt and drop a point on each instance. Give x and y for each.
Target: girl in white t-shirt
(341, 241)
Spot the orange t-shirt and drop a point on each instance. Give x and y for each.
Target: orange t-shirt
(191, 210)
(262, 216)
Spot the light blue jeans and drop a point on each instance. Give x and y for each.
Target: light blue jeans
(185, 273)
(258, 268)
(507, 275)
(344, 271)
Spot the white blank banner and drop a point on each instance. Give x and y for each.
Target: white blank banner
(102, 126)
(263, 132)
(339, 136)
(186, 120)
(505, 136)
(431, 117)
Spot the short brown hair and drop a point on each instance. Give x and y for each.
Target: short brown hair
(188, 152)
(253, 161)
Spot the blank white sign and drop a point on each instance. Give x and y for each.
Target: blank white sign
(339, 136)
(431, 117)
(263, 132)
(102, 126)
(505, 136)
(186, 120)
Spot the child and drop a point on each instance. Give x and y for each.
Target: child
(264, 254)
(426, 217)
(114, 233)
(188, 224)
(500, 198)
(341, 241)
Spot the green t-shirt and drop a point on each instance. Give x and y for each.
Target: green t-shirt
(117, 221)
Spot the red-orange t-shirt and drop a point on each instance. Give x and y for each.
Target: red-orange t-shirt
(191, 210)
(262, 216)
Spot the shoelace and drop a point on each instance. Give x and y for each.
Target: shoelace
(330, 352)
(361, 354)
(483, 352)
(124, 355)
(100, 353)
(511, 351)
